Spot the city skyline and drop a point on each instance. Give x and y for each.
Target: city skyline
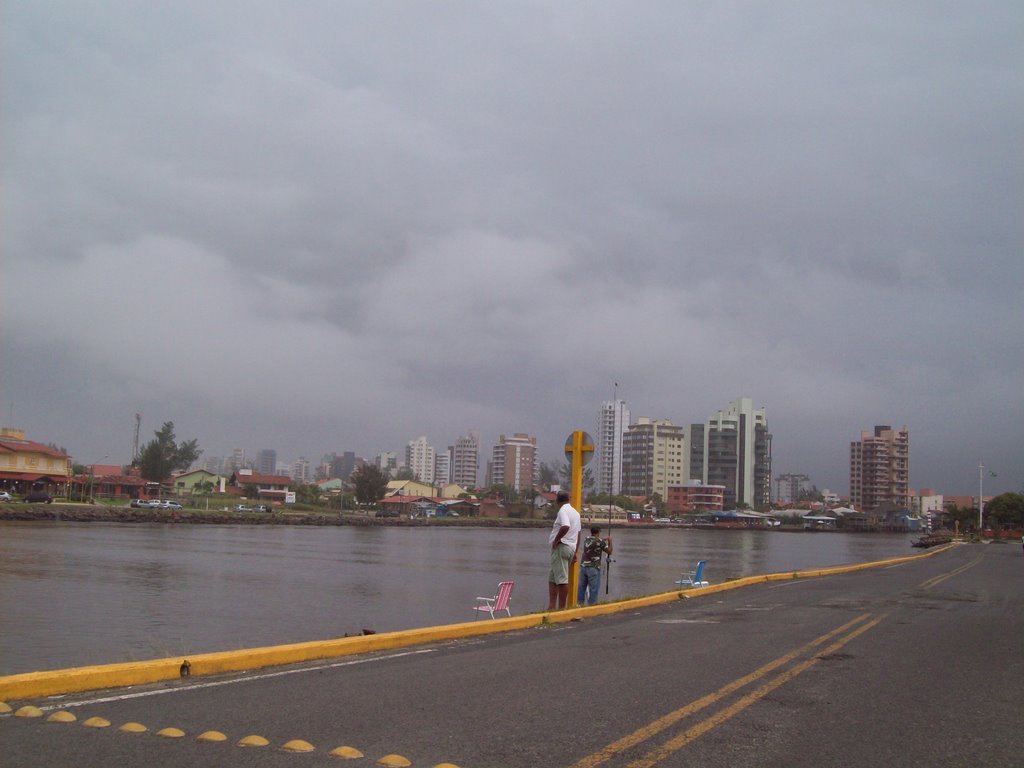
(239, 457)
(342, 226)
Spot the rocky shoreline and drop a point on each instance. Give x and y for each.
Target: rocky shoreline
(77, 513)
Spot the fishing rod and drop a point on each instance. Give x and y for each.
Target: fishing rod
(611, 487)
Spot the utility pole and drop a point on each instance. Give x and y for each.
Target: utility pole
(135, 442)
(981, 497)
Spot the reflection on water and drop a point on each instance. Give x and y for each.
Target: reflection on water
(73, 594)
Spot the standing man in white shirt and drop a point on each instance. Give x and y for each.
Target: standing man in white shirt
(564, 537)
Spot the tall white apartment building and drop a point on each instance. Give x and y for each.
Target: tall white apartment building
(300, 470)
(465, 460)
(734, 448)
(442, 468)
(612, 421)
(654, 457)
(419, 458)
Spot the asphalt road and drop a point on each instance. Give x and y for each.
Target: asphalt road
(919, 664)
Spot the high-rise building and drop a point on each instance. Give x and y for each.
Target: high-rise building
(465, 460)
(266, 461)
(612, 421)
(341, 466)
(348, 465)
(653, 457)
(419, 458)
(300, 470)
(235, 461)
(513, 462)
(734, 448)
(880, 469)
(442, 468)
(790, 487)
(387, 463)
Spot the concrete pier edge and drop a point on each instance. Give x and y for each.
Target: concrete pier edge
(30, 685)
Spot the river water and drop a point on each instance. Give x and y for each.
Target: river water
(74, 594)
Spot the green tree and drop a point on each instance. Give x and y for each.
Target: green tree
(369, 483)
(565, 477)
(501, 491)
(1005, 510)
(602, 500)
(308, 493)
(810, 495)
(162, 456)
(548, 475)
(203, 488)
(966, 517)
(656, 501)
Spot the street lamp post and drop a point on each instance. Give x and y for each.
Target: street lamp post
(981, 496)
(92, 476)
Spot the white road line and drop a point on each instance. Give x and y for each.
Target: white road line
(217, 683)
(686, 621)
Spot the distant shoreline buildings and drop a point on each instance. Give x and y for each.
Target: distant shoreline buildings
(724, 462)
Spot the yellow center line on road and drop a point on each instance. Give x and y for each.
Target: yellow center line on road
(935, 580)
(695, 732)
(657, 726)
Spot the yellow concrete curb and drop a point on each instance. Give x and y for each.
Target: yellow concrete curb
(29, 685)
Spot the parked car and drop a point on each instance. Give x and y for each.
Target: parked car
(169, 504)
(242, 508)
(38, 497)
(5, 496)
(141, 503)
(388, 513)
(262, 508)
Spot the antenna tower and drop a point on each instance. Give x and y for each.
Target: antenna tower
(135, 441)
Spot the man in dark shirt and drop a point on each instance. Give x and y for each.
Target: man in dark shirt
(590, 565)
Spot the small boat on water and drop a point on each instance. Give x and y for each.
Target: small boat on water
(932, 540)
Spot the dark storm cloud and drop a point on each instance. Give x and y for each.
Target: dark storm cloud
(339, 226)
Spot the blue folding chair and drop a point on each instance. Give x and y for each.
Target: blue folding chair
(695, 577)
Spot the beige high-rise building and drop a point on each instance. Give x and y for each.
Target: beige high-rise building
(513, 462)
(880, 469)
(653, 457)
(465, 460)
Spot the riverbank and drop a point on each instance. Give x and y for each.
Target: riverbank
(79, 593)
(84, 513)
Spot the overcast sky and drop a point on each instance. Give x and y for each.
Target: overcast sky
(330, 226)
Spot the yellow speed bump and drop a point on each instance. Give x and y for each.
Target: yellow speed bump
(5, 708)
(61, 716)
(446, 765)
(394, 761)
(29, 711)
(253, 741)
(346, 753)
(211, 736)
(170, 733)
(298, 745)
(96, 722)
(133, 728)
